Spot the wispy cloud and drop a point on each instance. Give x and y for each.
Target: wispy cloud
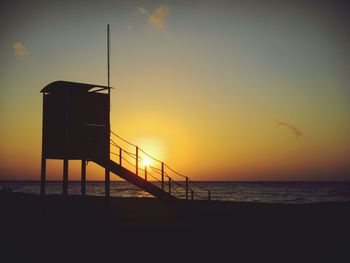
(19, 50)
(141, 11)
(289, 126)
(157, 18)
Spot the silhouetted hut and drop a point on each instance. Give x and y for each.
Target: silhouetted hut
(76, 126)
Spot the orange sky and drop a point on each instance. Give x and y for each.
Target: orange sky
(219, 91)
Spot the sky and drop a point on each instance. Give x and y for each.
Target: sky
(219, 90)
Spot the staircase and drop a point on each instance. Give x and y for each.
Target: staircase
(135, 180)
(165, 183)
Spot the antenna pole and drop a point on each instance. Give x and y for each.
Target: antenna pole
(108, 54)
(107, 178)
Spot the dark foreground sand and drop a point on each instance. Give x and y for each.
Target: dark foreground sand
(92, 229)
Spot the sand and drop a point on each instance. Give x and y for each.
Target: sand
(93, 229)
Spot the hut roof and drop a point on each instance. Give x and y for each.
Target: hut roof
(68, 86)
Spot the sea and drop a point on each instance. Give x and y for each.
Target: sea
(262, 192)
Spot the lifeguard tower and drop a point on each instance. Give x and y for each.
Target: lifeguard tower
(76, 126)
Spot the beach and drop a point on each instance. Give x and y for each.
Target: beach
(55, 228)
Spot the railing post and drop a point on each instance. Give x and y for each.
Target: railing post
(209, 197)
(120, 156)
(107, 182)
(191, 194)
(137, 160)
(146, 172)
(169, 186)
(186, 188)
(163, 176)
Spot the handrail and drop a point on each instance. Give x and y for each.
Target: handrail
(123, 139)
(189, 187)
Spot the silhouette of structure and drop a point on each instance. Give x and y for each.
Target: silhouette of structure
(76, 126)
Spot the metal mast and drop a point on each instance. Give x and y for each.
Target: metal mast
(107, 174)
(108, 54)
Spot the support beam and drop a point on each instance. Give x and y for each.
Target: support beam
(83, 177)
(43, 176)
(65, 177)
(107, 182)
(43, 154)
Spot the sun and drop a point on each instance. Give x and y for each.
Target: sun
(146, 161)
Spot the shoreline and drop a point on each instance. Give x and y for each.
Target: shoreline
(289, 193)
(94, 229)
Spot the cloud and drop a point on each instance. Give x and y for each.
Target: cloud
(141, 11)
(157, 18)
(291, 127)
(19, 50)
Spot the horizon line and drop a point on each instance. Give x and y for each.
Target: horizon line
(204, 181)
